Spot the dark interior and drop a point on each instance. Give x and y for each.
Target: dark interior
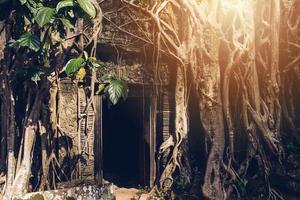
(122, 136)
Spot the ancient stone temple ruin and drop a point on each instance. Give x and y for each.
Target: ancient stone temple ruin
(117, 143)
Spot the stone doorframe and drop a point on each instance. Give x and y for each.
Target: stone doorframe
(149, 172)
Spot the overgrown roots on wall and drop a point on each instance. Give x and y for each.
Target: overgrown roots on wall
(240, 58)
(32, 141)
(230, 52)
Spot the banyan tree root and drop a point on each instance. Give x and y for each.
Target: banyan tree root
(8, 105)
(202, 59)
(2, 179)
(21, 180)
(179, 141)
(212, 116)
(35, 119)
(194, 36)
(289, 65)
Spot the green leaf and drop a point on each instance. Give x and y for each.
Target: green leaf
(23, 2)
(33, 7)
(101, 88)
(81, 73)
(44, 16)
(31, 41)
(65, 3)
(117, 89)
(88, 7)
(67, 23)
(74, 65)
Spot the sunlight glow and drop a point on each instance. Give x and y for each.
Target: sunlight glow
(237, 5)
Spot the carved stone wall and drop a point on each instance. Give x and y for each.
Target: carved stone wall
(67, 132)
(67, 111)
(77, 135)
(138, 73)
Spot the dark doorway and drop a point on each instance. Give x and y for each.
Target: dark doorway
(123, 141)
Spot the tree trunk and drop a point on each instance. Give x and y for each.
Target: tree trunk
(21, 181)
(211, 114)
(8, 106)
(267, 38)
(289, 62)
(179, 154)
(182, 124)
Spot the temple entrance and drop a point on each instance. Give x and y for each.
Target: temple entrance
(125, 160)
(125, 139)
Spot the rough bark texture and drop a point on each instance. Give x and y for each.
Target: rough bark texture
(8, 125)
(212, 115)
(21, 181)
(179, 142)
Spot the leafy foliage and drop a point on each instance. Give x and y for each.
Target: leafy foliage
(66, 23)
(101, 88)
(41, 42)
(74, 65)
(44, 16)
(88, 7)
(81, 74)
(117, 89)
(31, 41)
(54, 17)
(23, 1)
(63, 4)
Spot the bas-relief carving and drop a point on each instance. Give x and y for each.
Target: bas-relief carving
(68, 109)
(139, 73)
